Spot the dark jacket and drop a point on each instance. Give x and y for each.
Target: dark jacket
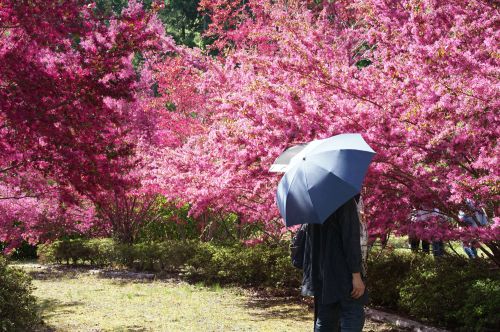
(332, 253)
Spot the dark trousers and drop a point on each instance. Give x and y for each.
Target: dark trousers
(415, 242)
(438, 248)
(344, 316)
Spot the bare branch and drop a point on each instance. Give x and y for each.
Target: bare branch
(19, 197)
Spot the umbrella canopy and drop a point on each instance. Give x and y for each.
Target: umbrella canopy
(282, 163)
(322, 177)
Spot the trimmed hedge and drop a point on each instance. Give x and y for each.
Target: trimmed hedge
(260, 265)
(18, 308)
(93, 251)
(452, 292)
(388, 273)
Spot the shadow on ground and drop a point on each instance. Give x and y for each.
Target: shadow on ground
(277, 307)
(51, 307)
(49, 272)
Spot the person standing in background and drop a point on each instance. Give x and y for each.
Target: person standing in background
(478, 219)
(424, 215)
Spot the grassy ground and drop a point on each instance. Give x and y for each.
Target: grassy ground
(87, 303)
(75, 300)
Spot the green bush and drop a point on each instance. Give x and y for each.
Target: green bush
(281, 272)
(261, 265)
(73, 250)
(154, 256)
(78, 251)
(481, 310)
(183, 228)
(18, 308)
(100, 251)
(46, 252)
(386, 274)
(454, 292)
(440, 291)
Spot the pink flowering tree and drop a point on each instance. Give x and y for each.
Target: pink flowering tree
(65, 69)
(44, 215)
(61, 69)
(417, 79)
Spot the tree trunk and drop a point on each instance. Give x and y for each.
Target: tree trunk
(494, 246)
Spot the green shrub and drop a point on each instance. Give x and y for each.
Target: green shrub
(440, 291)
(18, 308)
(209, 263)
(481, 310)
(454, 292)
(78, 251)
(183, 228)
(386, 274)
(145, 256)
(281, 271)
(46, 252)
(260, 265)
(74, 250)
(153, 256)
(175, 254)
(102, 251)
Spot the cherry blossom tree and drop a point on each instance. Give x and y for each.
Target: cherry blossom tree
(417, 78)
(44, 216)
(65, 69)
(61, 67)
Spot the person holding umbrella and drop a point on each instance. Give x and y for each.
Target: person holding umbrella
(321, 187)
(333, 271)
